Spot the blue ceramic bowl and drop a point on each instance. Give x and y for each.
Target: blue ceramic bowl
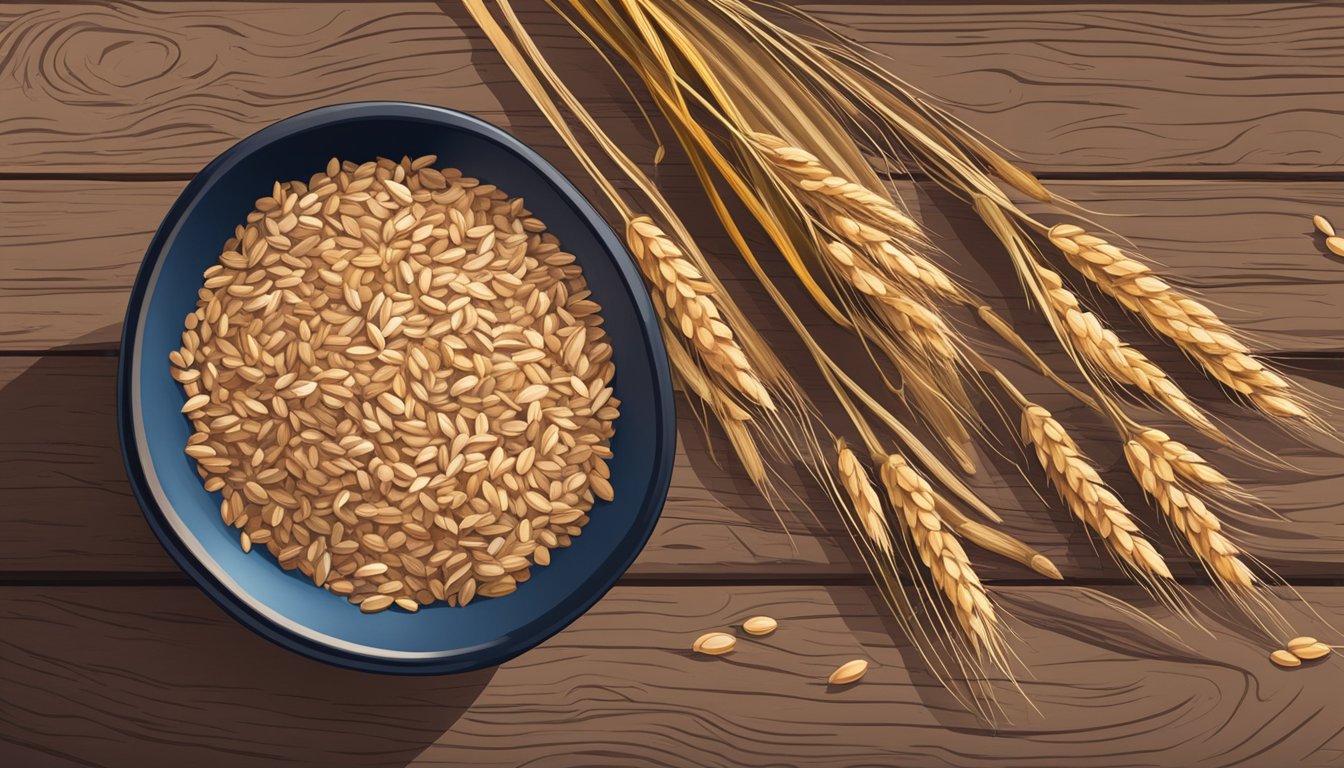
(284, 606)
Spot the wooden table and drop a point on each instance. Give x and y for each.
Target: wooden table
(1212, 131)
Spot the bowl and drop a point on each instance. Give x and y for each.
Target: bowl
(283, 605)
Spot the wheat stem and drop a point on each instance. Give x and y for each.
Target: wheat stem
(923, 328)
(866, 505)
(805, 171)
(1101, 346)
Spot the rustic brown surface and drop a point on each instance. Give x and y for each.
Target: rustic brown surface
(65, 504)
(1212, 130)
(160, 676)
(1082, 87)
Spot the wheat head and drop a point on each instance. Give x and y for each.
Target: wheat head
(1076, 480)
(688, 300)
(855, 213)
(805, 171)
(866, 505)
(1175, 476)
(915, 269)
(1115, 358)
(916, 509)
(922, 327)
(1188, 322)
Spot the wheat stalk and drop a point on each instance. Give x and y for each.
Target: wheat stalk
(852, 211)
(1113, 357)
(693, 377)
(866, 505)
(688, 300)
(1174, 476)
(805, 171)
(922, 327)
(914, 268)
(924, 349)
(938, 548)
(1188, 322)
(1076, 480)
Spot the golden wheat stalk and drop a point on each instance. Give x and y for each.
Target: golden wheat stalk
(1113, 357)
(804, 170)
(917, 270)
(1178, 316)
(1076, 480)
(916, 509)
(924, 348)
(923, 328)
(694, 378)
(1177, 479)
(688, 300)
(852, 211)
(734, 419)
(865, 503)
(995, 540)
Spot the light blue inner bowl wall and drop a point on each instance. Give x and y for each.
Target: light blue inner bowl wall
(487, 629)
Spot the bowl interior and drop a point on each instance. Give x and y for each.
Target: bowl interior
(252, 585)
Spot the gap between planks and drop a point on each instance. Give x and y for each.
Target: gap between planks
(48, 579)
(1227, 176)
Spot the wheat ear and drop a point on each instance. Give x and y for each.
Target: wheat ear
(1076, 480)
(923, 328)
(734, 419)
(938, 548)
(1174, 314)
(913, 268)
(689, 302)
(805, 171)
(867, 506)
(1174, 476)
(1113, 357)
(844, 206)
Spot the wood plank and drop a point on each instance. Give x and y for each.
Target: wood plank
(65, 504)
(1079, 88)
(160, 676)
(1247, 245)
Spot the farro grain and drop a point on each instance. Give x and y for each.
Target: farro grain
(400, 384)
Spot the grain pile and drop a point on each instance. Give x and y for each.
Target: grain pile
(400, 384)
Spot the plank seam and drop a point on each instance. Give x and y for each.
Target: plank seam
(131, 579)
(1085, 176)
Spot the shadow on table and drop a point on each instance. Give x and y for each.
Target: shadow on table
(65, 499)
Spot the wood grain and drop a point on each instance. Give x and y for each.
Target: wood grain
(65, 504)
(1080, 88)
(1248, 246)
(160, 676)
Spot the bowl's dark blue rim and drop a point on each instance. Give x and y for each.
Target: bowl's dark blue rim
(663, 437)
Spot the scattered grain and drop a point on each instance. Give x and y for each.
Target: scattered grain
(1312, 652)
(849, 672)
(1285, 659)
(759, 625)
(714, 643)
(1323, 225)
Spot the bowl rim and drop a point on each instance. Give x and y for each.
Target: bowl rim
(242, 609)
